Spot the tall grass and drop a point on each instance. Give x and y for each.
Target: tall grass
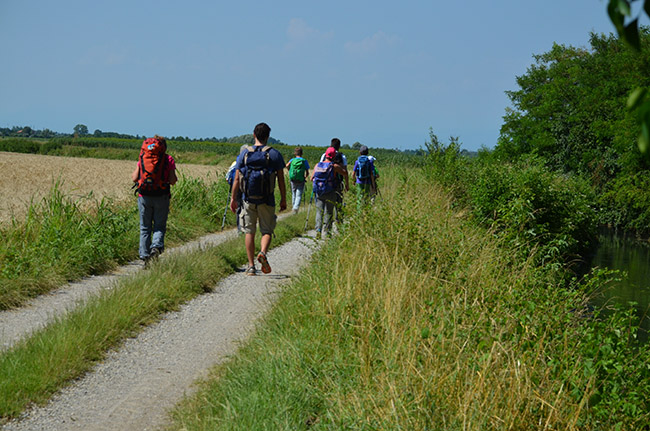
(63, 239)
(416, 319)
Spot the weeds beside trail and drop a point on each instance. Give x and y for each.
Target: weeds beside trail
(413, 318)
(37, 367)
(61, 239)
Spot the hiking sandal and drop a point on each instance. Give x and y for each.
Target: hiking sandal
(261, 258)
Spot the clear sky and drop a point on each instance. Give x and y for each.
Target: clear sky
(378, 72)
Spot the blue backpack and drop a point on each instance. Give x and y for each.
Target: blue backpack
(323, 178)
(230, 174)
(364, 168)
(258, 178)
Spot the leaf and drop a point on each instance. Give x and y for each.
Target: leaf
(631, 34)
(615, 15)
(636, 98)
(623, 6)
(644, 138)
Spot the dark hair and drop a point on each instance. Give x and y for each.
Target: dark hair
(336, 143)
(363, 150)
(298, 151)
(262, 132)
(160, 139)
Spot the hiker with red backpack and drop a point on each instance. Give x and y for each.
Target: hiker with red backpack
(324, 186)
(153, 177)
(298, 168)
(258, 167)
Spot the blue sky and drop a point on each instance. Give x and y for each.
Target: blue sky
(377, 72)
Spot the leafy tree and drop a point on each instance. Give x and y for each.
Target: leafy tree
(356, 146)
(638, 101)
(80, 130)
(570, 108)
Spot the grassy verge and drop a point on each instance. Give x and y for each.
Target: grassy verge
(64, 239)
(416, 319)
(37, 367)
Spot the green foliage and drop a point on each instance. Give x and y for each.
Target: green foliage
(565, 114)
(58, 241)
(626, 202)
(572, 111)
(20, 145)
(525, 202)
(415, 319)
(611, 359)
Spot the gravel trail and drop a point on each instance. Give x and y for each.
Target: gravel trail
(134, 388)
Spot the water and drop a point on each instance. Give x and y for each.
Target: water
(618, 251)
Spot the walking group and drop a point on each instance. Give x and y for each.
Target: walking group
(252, 178)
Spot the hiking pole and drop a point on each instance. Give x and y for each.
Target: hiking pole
(311, 198)
(225, 211)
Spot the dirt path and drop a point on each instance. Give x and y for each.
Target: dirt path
(136, 385)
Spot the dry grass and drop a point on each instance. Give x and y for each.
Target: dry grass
(27, 177)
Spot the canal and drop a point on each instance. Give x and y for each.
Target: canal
(625, 253)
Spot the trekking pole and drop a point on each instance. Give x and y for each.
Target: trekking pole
(225, 211)
(311, 198)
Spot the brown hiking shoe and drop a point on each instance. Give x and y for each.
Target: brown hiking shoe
(261, 258)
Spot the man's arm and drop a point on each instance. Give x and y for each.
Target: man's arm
(234, 192)
(283, 190)
(135, 174)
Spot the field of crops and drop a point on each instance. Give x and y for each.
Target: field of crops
(29, 177)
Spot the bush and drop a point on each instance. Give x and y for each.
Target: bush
(523, 201)
(20, 145)
(626, 202)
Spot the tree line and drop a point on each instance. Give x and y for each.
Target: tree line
(571, 112)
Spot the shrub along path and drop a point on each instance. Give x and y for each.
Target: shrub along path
(136, 385)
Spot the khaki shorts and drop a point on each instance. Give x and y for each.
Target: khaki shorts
(251, 213)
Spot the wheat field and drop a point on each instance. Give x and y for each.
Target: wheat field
(26, 178)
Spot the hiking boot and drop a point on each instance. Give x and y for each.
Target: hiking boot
(251, 270)
(155, 252)
(261, 258)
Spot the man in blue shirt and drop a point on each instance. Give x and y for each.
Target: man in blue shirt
(363, 174)
(258, 167)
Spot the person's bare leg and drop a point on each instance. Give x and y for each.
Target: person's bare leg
(250, 248)
(265, 243)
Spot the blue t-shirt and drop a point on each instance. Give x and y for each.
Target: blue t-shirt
(372, 172)
(277, 164)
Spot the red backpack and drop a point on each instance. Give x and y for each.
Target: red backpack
(153, 163)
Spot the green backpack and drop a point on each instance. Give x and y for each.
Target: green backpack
(297, 169)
